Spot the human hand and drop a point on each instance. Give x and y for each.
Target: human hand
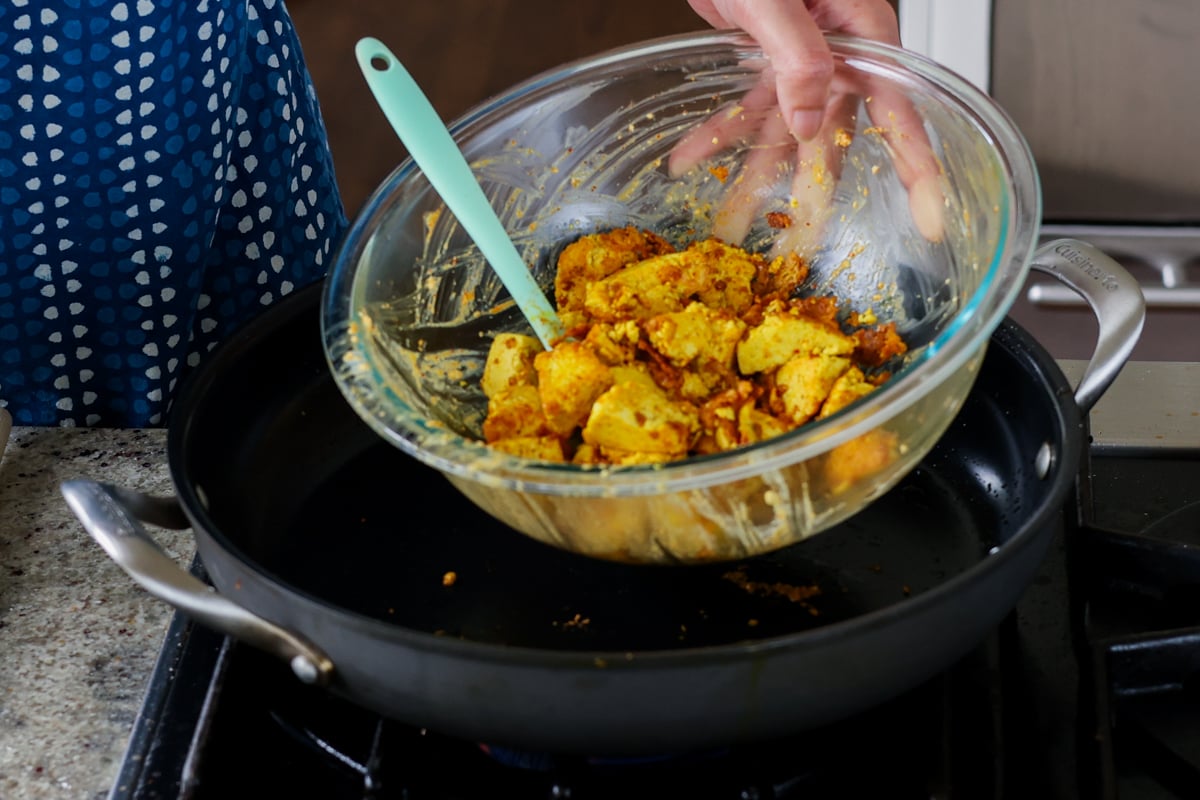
(803, 111)
(792, 35)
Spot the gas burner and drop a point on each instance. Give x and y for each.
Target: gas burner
(260, 733)
(547, 762)
(827, 763)
(388, 759)
(1141, 606)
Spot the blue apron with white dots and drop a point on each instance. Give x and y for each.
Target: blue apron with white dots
(164, 176)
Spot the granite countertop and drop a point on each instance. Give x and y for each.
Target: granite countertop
(78, 639)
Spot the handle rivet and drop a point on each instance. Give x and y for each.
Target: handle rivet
(305, 670)
(1044, 460)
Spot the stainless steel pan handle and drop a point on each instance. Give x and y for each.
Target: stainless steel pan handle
(1180, 296)
(1116, 299)
(114, 516)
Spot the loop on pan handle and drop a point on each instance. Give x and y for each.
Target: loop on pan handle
(113, 517)
(1115, 298)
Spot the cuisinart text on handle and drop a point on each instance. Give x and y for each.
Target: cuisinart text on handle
(1088, 266)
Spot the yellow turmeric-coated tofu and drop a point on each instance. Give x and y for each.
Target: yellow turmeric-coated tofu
(633, 373)
(730, 273)
(709, 271)
(596, 256)
(783, 335)
(510, 363)
(849, 463)
(702, 382)
(803, 384)
(848, 388)
(625, 458)
(586, 454)
(542, 448)
(515, 412)
(782, 275)
(614, 343)
(634, 417)
(570, 378)
(757, 426)
(697, 332)
(676, 353)
(720, 417)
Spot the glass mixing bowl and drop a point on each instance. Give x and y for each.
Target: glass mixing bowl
(918, 203)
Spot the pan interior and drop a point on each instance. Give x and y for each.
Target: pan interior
(297, 485)
(380, 537)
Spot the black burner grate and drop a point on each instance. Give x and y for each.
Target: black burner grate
(269, 736)
(1140, 604)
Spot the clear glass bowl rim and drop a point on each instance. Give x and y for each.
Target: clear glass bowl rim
(1020, 210)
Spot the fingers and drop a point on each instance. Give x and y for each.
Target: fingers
(772, 155)
(813, 169)
(796, 48)
(802, 62)
(767, 161)
(818, 169)
(868, 19)
(790, 33)
(736, 123)
(708, 11)
(917, 165)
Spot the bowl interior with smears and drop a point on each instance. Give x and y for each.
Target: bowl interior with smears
(918, 204)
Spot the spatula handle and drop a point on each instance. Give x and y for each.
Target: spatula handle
(430, 144)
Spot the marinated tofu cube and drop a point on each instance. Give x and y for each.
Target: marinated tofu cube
(783, 335)
(857, 459)
(803, 384)
(634, 417)
(757, 426)
(596, 256)
(515, 412)
(541, 448)
(848, 388)
(697, 332)
(726, 274)
(510, 363)
(614, 343)
(570, 378)
(717, 275)
(633, 373)
(586, 454)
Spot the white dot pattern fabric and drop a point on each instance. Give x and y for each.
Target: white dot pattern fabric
(164, 176)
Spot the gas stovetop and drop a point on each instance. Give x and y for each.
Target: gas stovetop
(1090, 688)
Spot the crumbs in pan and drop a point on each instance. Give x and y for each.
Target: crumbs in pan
(788, 591)
(576, 622)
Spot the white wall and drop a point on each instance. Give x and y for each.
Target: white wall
(955, 33)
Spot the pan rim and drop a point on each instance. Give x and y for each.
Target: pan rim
(1040, 366)
(524, 655)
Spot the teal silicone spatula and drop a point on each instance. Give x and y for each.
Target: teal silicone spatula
(431, 146)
